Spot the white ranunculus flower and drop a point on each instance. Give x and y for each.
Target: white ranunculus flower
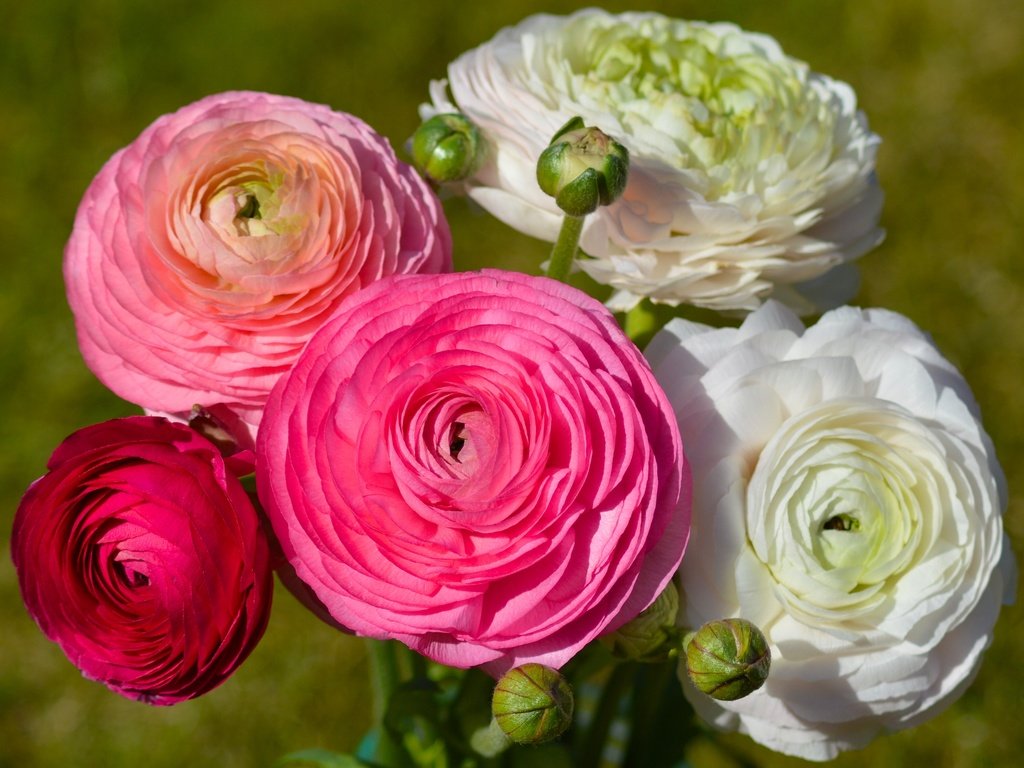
(749, 176)
(847, 501)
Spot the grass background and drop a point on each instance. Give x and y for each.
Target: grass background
(941, 82)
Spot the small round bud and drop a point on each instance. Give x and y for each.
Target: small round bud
(582, 168)
(532, 704)
(651, 635)
(446, 148)
(728, 659)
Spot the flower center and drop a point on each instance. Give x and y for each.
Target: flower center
(251, 209)
(257, 203)
(456, 439)
(130, 576)
(842, 522)
(842, 503)
(255, 200)
(727, 104)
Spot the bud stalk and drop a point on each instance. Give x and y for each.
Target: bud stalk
(583, 169)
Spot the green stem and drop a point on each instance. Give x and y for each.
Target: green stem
(384, 675)
(607, 708)
(490, 741)
(564, 252)
(652, 680)
(417, 666)
(384, 678)
(640, 322)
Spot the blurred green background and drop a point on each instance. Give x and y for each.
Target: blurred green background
(941, 81)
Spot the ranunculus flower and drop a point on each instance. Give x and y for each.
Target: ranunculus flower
(749, 174)
(210, 249)
(479, 465)
(140, 554)
(849, 503)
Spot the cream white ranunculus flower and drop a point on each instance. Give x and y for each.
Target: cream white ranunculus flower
(848, 502)
(750, 175)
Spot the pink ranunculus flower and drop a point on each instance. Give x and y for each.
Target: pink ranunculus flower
(140, 554)
(479, 465)
(208, 251)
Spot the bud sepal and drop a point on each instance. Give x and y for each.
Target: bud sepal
(446, 148)
(652, 636)
(532, 704)
(583, 168)
(727, 659)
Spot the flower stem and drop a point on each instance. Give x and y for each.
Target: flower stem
(384, 678)
(640, 322)
(384, 675)
(417, 666)
(596, 736)
(490, 741)
(651, 682)
(564, 252)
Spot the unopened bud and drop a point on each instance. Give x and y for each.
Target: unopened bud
(728, 659)
(446, 148)
(582, 168)
(532, 704)
(651, 635)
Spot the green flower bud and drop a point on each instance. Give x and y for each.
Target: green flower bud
(446, 148)
(583, 168)
(728, 659)
(532, 704)
(652, 635)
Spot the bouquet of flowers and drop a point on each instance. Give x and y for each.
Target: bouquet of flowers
(548, 536)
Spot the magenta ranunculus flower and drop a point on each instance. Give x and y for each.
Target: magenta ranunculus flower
(479, 465)
(208, 251)
(140, 554)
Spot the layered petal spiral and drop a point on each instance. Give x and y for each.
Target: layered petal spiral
(480, 465)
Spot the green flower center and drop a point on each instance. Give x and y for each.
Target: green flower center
(844, 501)
(251, 209)
(256, 200)
(721, 103)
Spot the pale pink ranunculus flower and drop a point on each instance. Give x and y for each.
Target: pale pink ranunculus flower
(140, 554)
(479, 465)
(848, 501)
(206, 252)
